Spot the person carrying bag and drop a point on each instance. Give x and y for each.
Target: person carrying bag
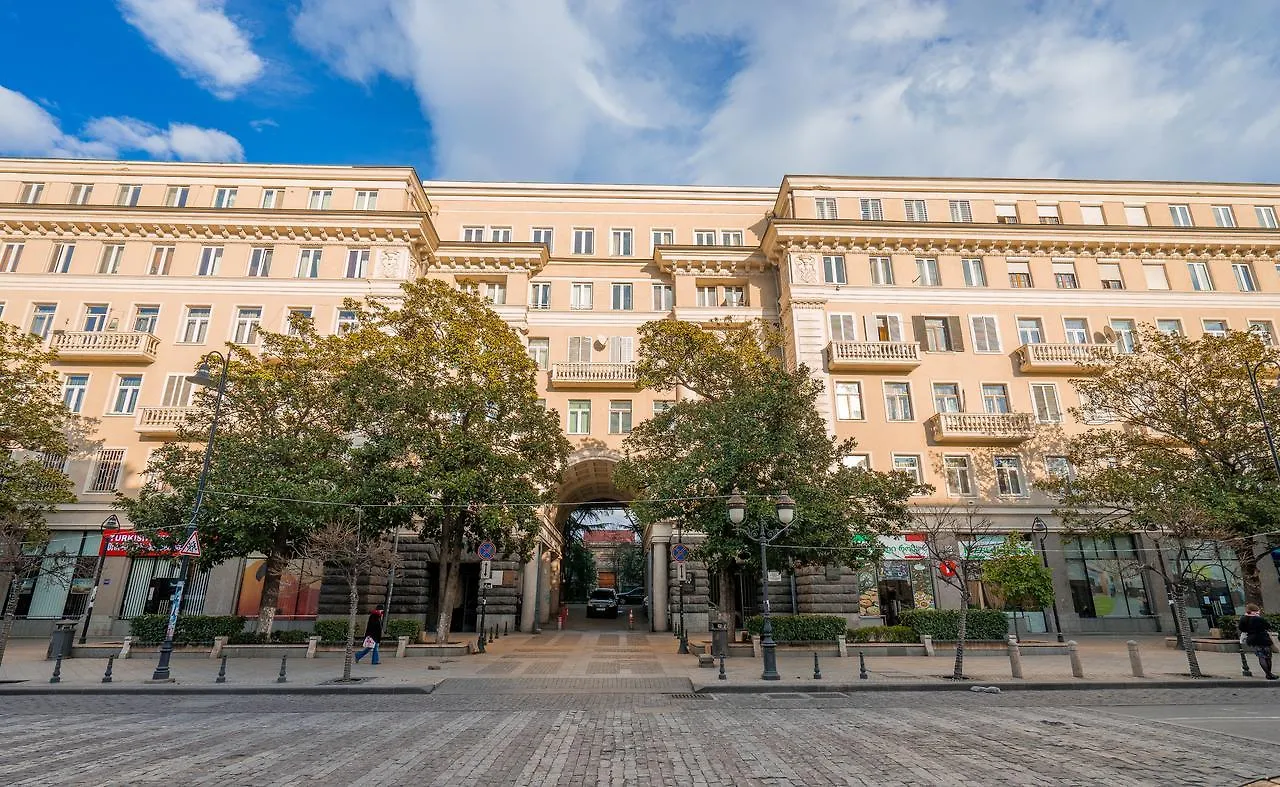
(372, 634)
(1255, 632)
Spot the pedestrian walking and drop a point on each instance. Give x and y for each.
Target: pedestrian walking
(373, 634)
(1255, 632)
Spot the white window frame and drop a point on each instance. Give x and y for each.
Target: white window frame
(160, 263)
(307, 312)
(545, 236)
(664, 297)
(622, 296)
(882, 271)
(871, 209)
(842, 327)
(472, 234)
(540, 295)
(345, 321)
(947, 396)
(849, 404)
(108, 465)
(704, 237)
(833, 269)
(1052, 412)
(1155, 276)
(309, 259)
(1009, 467)
(43, 319)
(210, 260)
(499, 234)
(961, 210)
(889, 411)
(1266, 216)
(1245, 280)
(319, 199)
(225, 196)
(195, 329)
(73, 394)
(245, 329)
(581, 296)
(621, 242)
(1263, 329)
(731, 238)
(584, 241)
(109, 260)
(1126, 334)
(1223, 216)
(366, 199)
(707, 296)
(1180, 214)
(1201, 278)
(128, 195)
(539, 350)
(95, 317)
(620, 416)
(63, 254)
(927, 272)
(995, 396)
(272, 198)
(126, 395)
(915, 209)
(1039, 326)
(825, 207)
(358, 263)
(1136, 216)
(578, 420)
(662, 237)
(916, 466)
(148, 321)
(1204, 326)
(975, 271)
(1068, 331)
(260, 262)
(10, 256)
(1088, 214)
(963, 474)
(991, 328)
(80, 194)
(31, 193)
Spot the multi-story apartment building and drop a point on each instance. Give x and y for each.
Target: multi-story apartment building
(943, 316)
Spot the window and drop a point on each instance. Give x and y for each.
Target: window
(1264, 330)
(1009, 476)
(882, 270)
(1125, 335)
(1064, 276)
(1200, 280)
(975, 272)
(833, 269)
(662, 237)
(927, 273)
(580, 297)
(579, 416)
(897, 402)
(995, 398)
(248, 320)
(545, 236)
(579, 349)
(366, 200)
(1006, 214)
(125, 401)
(1059, 467)
(95, 317)
(31, 193)
(1266, 216)
(319, 199)
(308, 264)
(1105, 579)
(42, 315)
(620, 416)
(663, 298)
(1223, 216)
(1135, 215)
(1044, 397)
(145, 319)
(1077, 330)
(731, 237)
(856, 461)
(210, 261)
(1019, 274)
(540, 295)
(622, 296)
(10, 254)
(195, 328)
(959, 476)
(1181, 215)
(939, 334)
(707, 297)
(61, 261)
(1048, 214)
(1109, 272)
(1216, 328)
(826, 207)
(161, 260)
(843, 327)
(500, 234)
(296, 319)
(540, 352)
(660, 406)
(871, 210)
(74, 387)
(107, 466)
(584, 241)
(915, 210)
(357, 263)
(735, 295)
(1030, 330)
(849, 401)
(176, 196)
(986, 338)
(1092, 214)
(80, 193)
(224, 198)
(348, 321)
(272, 198)
(109, 262)
(621, 349)
(909, 464)
(260, 262)
(1155, 276)
(961, 210)
(885, 328)
(1243, 272)
(494, 292)
(473, 234)
(946, 398)
(1169, 327)
(704, 237)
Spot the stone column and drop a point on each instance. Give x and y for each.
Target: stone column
(529, 579)
(544, 589)
(660, 584)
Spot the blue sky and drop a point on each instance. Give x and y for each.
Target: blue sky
(713, 91)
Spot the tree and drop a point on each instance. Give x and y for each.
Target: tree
(579, 576)
(1013, 570)
(452, 410)
(752, 426)
(627, 562)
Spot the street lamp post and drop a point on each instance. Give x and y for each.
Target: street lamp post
(1042, 530)
(112, 521)
(785, 508)
(1254, 369)
(202, 377)
(684, 637)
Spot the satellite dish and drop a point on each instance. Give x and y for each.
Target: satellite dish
(1109, 335)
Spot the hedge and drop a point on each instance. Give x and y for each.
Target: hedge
(190, 630)
(404, 628)
(883, 634)
(1230, 630)
(801, 628)
(334, 632)
(944, 624)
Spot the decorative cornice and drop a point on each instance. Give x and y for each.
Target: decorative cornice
(709, 260)
(489, 257)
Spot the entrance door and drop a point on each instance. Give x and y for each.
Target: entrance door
(895, 598)
(464, 615)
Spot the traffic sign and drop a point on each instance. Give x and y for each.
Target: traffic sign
(679, 553)
(775, 576)
(680, 572)
(190, 547)
(487, 551)
(486, 570)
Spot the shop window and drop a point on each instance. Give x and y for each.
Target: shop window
(299, 589)
(1105, 578)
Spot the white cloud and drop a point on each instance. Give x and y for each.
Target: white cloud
(27, 129)
(201, 40)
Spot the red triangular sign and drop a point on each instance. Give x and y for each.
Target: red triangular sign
(191, 546)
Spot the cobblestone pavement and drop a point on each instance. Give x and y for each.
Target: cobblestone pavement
(888, 738)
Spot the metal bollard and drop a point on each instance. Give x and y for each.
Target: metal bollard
(1135, 659)
(862, 666)
(631, 620)
(817, 671)
(1244, 664)
(1077, 670)
(106, 676)
(1015, 657)
(722, 675)
(504, 628)
(491, 633)
(57, 671)
(282, 678)
(222, 672)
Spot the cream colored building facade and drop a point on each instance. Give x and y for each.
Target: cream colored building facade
(943, 316)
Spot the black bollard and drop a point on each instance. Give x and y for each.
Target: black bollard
(491, 635)
(504, 628)
(862, 666)
(722, 675)
(57, 671)
(282, 678)
(817, 671)
(222, 672)
(106, 676)
(1244, 664)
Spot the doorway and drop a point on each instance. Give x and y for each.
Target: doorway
(895, 598)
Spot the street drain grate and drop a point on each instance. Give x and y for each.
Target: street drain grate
(690, 696)
(791, 695)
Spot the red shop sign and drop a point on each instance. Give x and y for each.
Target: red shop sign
(130, 543)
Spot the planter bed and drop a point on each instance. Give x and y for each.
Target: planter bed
(1209, 645)
(102, 651)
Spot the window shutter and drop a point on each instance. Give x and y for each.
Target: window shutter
(869, 328)
(620, 349)
(917, 328)
(955, 334)
(984, 340)
(895, 328)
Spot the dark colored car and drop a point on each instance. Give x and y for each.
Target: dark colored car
(632, 597)
(603, 602)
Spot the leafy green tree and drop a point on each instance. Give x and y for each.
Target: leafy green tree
(579, 577)
(627, 561)
(1018, 575)
(752, 426)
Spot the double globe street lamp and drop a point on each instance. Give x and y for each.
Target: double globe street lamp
(785, 510)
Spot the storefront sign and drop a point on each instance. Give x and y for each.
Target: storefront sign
(130, 543)
(908, 547)
(982, 547)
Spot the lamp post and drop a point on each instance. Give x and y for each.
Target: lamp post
(785, 509)
(1254, 369)
(112, 521)
(202, 377)
(1039, 527)
(684, 637)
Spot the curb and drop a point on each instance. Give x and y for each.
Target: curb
(212, 690)
(1083, 685)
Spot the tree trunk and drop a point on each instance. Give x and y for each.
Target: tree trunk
(275, 565)
(10, 610)
(450, 565)
(1246, 553)
(962, 630)
(353, 612)
(1177, 598)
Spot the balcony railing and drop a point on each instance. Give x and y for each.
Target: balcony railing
(162, 420)
(873, 355)
(105, 345)
(591, 374)
(981, 427)
(1064, 357)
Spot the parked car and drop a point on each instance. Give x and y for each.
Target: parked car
(632, 597)
(603, 602)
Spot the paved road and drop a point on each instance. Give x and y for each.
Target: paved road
(581, 736)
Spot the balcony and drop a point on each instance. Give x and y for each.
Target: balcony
(1064, 357)
(104, 346)
(981, 428)
(162, 421)
(593, 375)
(887, 356)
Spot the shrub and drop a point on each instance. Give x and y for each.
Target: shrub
(247, 638)
(1231, 630)
(883, 634)
(403, 628)
(801, 628)
(190, 630)
(334, 632)
(944, 624)
(291, 637)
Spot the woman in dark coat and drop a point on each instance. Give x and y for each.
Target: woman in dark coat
(372, 632)
(1255, 632)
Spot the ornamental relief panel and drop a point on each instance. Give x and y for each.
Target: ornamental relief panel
(804, 267)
